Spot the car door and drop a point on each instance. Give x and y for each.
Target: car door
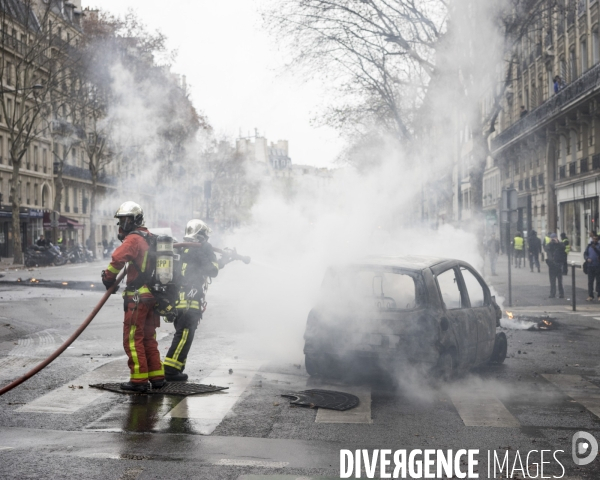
(455, 305)
(482, 312)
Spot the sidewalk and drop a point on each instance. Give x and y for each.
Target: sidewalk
(6, 263)
(532, 289)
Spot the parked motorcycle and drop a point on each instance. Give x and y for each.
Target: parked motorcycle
(42, 256)
(89, 256)
(108, 251)
(76, 254)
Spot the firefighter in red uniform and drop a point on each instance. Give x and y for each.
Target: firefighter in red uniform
(141, 320)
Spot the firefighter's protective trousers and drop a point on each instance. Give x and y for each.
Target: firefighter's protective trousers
(139, 341)
(186, 324)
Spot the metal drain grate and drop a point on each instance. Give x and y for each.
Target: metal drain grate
(173, 388)
(323, 399)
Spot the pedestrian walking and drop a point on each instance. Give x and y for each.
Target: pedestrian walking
(534, 248)
(565, 240)
(592, 267)
(492, 248)
(519, 249)
(555, 258)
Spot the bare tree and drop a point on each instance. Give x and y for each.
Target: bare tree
(402, 65)
(377, 54)
(31, 65)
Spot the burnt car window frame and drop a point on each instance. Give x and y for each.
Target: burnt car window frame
(487, 296)
(464, 297)
(421, 295)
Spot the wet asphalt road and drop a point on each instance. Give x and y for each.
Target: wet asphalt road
(52, 428)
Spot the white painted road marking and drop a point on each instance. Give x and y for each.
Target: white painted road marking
(208, 410)
(360, 414)
(66, 400)
(6, 448)
(479, 407)
(579, 389)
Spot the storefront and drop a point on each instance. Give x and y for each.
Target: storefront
(70, 230)
(31, 228)
(578, 213)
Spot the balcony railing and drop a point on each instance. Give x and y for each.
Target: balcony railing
(85, 174)
(585, 84)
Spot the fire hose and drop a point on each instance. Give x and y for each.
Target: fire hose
(93, 314)
(68, 342)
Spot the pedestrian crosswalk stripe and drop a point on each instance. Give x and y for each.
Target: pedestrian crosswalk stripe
(359, 414)
(208, 410)
(479, 407)
(579, 389)
(69, 398)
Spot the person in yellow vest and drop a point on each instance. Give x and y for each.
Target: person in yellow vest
(519, 249)
(565, 240)
(545, 244)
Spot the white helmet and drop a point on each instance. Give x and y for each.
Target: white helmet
(196, 228)
(133, 210)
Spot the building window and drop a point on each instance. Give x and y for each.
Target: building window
(35, 194)
(543, 210)
(45, 160)
(572, 65)
(9, 77)
(28, 193)
(67, 206)
(595, 47)
(584, 56)
(35, 158)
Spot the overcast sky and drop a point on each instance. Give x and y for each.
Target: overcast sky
(235, 72)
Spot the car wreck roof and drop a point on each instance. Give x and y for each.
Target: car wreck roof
(408, 262)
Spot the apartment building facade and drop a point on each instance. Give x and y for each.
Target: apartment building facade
(547, 141)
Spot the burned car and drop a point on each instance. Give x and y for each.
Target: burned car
(389, 313)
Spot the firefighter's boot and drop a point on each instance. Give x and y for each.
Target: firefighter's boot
(135, 387)
(158, 383)
(174, 375)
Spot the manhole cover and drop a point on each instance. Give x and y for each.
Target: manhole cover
(172, 388)
(323, 399)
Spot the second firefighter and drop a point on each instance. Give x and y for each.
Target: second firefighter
(196, 266)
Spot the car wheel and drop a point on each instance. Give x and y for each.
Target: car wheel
(29, 263)
(500, 349)
(312, 365)
(446, 369)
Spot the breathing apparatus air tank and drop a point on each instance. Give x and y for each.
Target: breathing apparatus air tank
(164, 259)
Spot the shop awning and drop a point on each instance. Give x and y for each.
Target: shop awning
(63, 222)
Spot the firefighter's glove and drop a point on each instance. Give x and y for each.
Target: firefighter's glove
(108, 282)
